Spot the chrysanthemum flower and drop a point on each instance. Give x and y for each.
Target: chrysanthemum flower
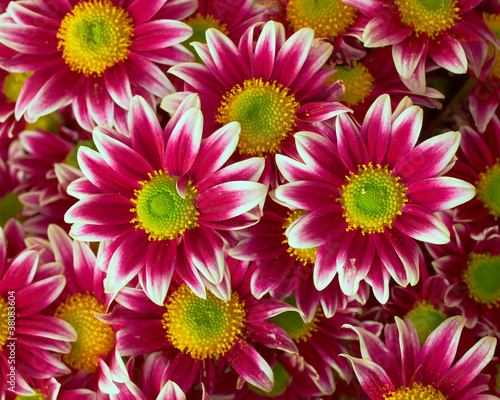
(479, 163)
(272, 85)
(401, 369)
(94, 69)
(52, 389)
(199, 334)
(450, 32)
(158, 189)
(371, 196)
(32, 339)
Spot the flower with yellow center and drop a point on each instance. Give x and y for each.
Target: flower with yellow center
(306, 256)
(493, 22)
(428, 16)
(426, 318)
(482, 278)
(37, 396)
(488, 189)
(416, 392)
(266, 112)
(372, 198)
(297, 329)
(160, 210)
(95, 36)
(200, 24)
(95, 338)
(357, 81)
(328, 18)
(203, 328)
(13, 83)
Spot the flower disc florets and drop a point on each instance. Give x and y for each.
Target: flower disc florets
(306, 256)
(372, 198)
(488, 189)
(161, 211)
(426, 318)
(428, 16)
(4, 327)
(95, 338)
(265, 111)
(482, 278)
(94, 36)
(358, 83)
(203, 328)
(416, 392)
(13, 83)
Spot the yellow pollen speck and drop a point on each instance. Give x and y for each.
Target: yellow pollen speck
(159, 209)
(203, 328)
(95, 36)
(428, 16)
(328, 18)
(265, 111)
(372, 198)
(306, 256)
(416, 392)
(95, 338)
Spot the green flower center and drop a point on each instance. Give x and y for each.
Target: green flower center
(10, 206)
(4, 323)
(281, 381)
(493, 22)
(265, 111)
(95, 338)
(94, 36)
(372, 198)
(426, 318)
(306, 256)
(428, 16)
(357, 81)
(488, 189)
(203, 328)
(416, 392)
(200, 24)
(328, 18)
(482, 278)
(161, 211)
(72, 159)
(13, 83)
(38, 396)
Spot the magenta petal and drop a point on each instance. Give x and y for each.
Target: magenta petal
(376, 128)
(35, 297)
(379, 32)
(141, 338)
(205, 249)
(159, 34)
(118, 85)
(184, 143)
(271, 336)
(410, 349)
(250, 365)
(408, 53)
(147, 75)
(20, 272)
(141, 14)
(54, 329)
(171, 391)
(307, 195)
(265, 52)
(448, 53)
(419, 224)
(352, 149)
(101, 209)
(438, 351)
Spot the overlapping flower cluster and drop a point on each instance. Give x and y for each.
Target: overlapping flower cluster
(249, 199)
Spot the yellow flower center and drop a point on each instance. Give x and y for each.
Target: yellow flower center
(13, 83)
(328, 18)
(357, 81)
(203, 328)
(294, 325)
(426, 318)
(94, 36)
(493, 22)
(95, 338)
(306, 256)
(482, 278)
(428, 16)
(10, 207)
(265, 111)
(4, 323)
(200, 24)
(416, 392)
(372, 198)
(161, 211)
(37, 396)
(488, 189)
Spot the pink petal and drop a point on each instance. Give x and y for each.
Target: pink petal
(118, 85)
(419, 224)
(408, 53)
(448, 53)
(380, 32)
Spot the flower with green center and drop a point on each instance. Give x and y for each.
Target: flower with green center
(372, 198)
(402, 369)
(13, 83)
(358, 83)
(294, 325)
(328, 18)
(200, 24)
(95, 338)
(482, 278)
(369, 196)
(426, 318)
(488, 189)
(96, 53)
(265, 111)
(161, 211)
(203, 328)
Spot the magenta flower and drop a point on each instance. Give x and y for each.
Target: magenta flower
(451, 33)
(370, 196)
(400, 368)
(159, 189)
(201, 337)
(97, 70)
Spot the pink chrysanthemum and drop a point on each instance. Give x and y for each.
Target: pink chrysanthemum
(370, 196)
(201, 337)
(401, 369)
(271, 85)
(159, 189)
(97, 70)
(450, 32)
